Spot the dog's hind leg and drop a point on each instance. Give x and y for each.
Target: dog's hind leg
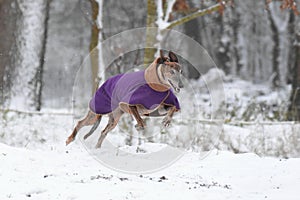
(140, 126)
(95, 126)
(112, 123)
(90, 119)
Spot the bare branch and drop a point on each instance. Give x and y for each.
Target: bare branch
(198, 13)
(286, 4)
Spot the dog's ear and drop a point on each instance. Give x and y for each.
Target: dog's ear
(173, 57)
(161, 59)
(161, 53)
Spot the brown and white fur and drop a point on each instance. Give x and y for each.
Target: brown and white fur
(169, 75)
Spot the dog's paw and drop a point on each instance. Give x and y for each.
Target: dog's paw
(139, 127)
(98, 145)
(166, 122)
(69, 140)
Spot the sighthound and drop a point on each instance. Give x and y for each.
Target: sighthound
(144, 93)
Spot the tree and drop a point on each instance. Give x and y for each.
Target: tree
(294, 109)
(276, 50)
(158, 15)
(23, 23)
(98, 70)
(39, 72)
(8, 24)
(94, 53)
(25, 90)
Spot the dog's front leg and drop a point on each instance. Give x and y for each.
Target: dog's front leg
(167, 120)
(140, 122)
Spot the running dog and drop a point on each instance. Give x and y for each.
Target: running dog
(144, 93)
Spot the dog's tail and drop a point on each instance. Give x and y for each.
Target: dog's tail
(95, 126)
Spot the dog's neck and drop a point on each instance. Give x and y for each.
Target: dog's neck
(160, 75)
(154, 77)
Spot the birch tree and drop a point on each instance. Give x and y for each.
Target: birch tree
(25, 89)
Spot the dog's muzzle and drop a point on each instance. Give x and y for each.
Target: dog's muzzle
(176, 88)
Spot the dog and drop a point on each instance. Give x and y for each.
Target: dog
(144, 93)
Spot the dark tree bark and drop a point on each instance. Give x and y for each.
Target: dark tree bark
(39, 74)
(294, 109)
(276, 50)
(223, 53)
(235, 28)
(292, 48)
(8, 24)
(191, 29)
(94, 53)
(150, 35)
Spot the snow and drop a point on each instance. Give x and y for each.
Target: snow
(40, 166)
(198, 162)
(73, 174)
(162, 19)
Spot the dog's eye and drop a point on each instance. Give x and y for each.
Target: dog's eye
(172, 72)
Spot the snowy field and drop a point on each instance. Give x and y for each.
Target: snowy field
(74, 174)
(41, 167)
(259, 159)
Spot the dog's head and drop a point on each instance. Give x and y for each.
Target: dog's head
(169, 70)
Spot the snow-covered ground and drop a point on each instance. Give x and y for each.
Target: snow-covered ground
(73, 174)
(36, 164)
(40, 166)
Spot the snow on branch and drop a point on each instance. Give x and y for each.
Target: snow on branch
(218, 7)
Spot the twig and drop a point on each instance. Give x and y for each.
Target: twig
(34, 112)
(198, 13)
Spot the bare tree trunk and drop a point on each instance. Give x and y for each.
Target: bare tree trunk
(276, 50)
(150, 35)
(8, 24)
(191, 29)
(294, 109)
(28, 37)
(94, 53)
(235, 28)
(292, 48)
(223, 53)
(39, 73)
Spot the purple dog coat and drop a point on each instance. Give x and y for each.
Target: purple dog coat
(131, 89)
